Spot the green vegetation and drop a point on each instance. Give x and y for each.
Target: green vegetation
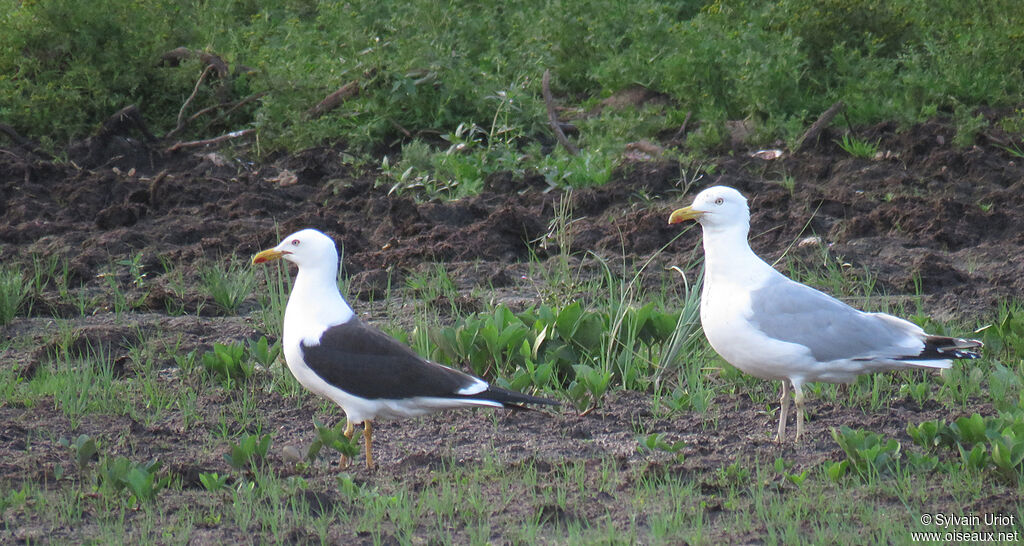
(332, 437)
(228, 284)
(654, 500)
(228, 362)
(250, 452)
(455, 88)
(115, 474)
(858, 148)
(449, 94)
(13, 290)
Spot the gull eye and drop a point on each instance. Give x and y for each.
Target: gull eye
(719, 201)
(295, 242)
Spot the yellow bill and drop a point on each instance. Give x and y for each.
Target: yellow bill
(683, 214)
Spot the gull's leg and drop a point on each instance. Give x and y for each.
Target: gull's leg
(350, 429)
(368, 435)
(798, 400)
(784, 400)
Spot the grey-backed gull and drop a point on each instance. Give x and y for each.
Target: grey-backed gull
(773, 328)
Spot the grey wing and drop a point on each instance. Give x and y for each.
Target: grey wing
(796, 313)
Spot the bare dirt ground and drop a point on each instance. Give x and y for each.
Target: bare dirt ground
(926, 216)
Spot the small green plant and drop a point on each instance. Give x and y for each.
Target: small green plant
(589, 387)
(250, 451)
(213, 482)
(657, 442)
(857, 147)
(135, 272)
(916, 391)
(788, 182)
(836, 470)
(228, 284)
(13, 290)
(1014, 150)
(782, 467)
(262, 352)
(84, 448)
(530, 374)
(968, 126)
(733, 475)
(186, 362)
(869, 454)
(274, 299)
(116, 474)
(228, 361)
(1005, 388)
(1008, 452)
(925, 434)
(1005, 336)
(332, 437)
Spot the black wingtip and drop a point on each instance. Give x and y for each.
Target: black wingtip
(514, 400)
(943, 348)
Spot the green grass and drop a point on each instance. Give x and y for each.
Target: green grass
(660, 499)
(450, 95)
(857, 147)
(459, 97)
(13, 290)
(228, 284)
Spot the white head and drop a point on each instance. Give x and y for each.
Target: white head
(308, 249)
(716, 208)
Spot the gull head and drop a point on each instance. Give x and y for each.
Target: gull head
(716, 207)
(308, 248)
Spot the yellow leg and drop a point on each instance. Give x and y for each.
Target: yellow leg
(368, 436)
(350, 429)
(784, 401)
(798, 400)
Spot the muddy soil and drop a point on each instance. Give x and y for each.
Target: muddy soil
(934, 225)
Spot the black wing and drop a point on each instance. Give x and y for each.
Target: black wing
(363, 361)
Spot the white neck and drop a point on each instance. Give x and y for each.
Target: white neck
(315, 299)
(728, 256)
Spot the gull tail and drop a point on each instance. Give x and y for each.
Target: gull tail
(946, 348)
(512, 399)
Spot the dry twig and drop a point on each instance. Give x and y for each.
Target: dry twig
(549, 101)
(810, 138)
(195, 91)
(333, 100)
(208, 141)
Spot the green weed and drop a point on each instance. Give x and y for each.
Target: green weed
(869, 454)
(274, 299)
(228, 284)
(332, 437)
(983, 443)
(213, 482)
(229, 362)
(858, 148)
(13, 290)
(250, 452)
(657, 442)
